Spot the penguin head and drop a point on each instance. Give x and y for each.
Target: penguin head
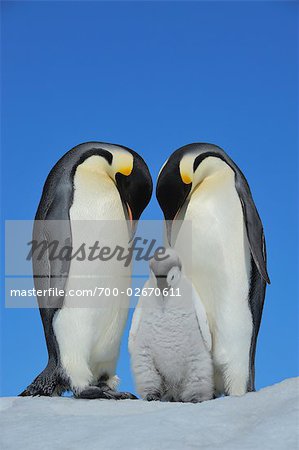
(166, 269)
(178, 178)
(134, 183)
(125, 167)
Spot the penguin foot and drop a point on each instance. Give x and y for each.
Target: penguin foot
(46, 384)
(124, 396)
(91, 393)
(154, 397)
(105, 385)
(104, 392)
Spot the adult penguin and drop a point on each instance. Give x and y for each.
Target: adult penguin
(92, 198)
(199, 185)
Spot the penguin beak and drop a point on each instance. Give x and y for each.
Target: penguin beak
(132, 222)
(129, 212)
(169, 223)
(168, 230)
(135, 191)
(161, 282)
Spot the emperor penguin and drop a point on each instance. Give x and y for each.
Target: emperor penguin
(94, 195)
(169, 339)
(200, 185)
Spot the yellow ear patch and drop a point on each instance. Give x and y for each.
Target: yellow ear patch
(122, 162)
(186, 178)
(186, 168)
(126, 170)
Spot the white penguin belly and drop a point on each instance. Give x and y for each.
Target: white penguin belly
(220, 270)
(89, 334)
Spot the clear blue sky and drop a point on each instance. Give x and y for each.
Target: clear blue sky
(154, 76)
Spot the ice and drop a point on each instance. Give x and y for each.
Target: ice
(267, 419)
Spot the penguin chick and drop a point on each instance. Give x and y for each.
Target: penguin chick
(170, 341)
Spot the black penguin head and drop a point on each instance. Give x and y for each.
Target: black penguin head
(134, 183)
(179, 176)
(173, 187)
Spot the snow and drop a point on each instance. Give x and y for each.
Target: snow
(267, 419)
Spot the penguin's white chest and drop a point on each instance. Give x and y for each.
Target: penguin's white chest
(90, 324)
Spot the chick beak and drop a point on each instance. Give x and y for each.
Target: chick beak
(161, 283)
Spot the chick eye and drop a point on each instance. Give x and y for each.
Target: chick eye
(173, 275)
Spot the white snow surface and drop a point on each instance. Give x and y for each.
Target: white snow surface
(267, 419)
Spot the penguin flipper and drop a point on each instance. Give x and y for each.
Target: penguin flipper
(253, 224)
(136, 319)
(202, 320)
(256, 302)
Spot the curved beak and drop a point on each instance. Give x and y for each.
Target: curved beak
(168, 230)
(162, 283)
(135, 190)
(132, 223)
(169, 222)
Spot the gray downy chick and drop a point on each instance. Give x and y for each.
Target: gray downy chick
(170, 340)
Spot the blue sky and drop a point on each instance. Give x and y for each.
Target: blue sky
(154, 76)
